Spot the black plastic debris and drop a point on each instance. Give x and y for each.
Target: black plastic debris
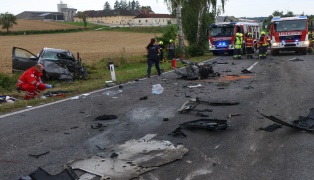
(114, 155)
(144, 98)
(38, 155)
(204, 112)
(245, 71)
(271, 127)
(302, 123)
(209, 124)
(67, 174)
(98, 126)
(166, 119)
(5, 98)
(177, 132)
(106, 117)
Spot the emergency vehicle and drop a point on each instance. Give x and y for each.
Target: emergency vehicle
(289, 34)
(222, 35)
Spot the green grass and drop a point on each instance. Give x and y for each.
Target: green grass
(98, 74)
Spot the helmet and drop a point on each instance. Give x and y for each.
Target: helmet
(160, 42)
(249, 33)
(263, 33)
(170, 40)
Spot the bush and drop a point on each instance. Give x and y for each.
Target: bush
(8, 82)
(194, 50)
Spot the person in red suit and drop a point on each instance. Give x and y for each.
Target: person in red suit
(31, 83)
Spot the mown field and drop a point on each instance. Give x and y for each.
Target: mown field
(92, 45)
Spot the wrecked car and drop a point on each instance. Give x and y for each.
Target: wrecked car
(58, 63)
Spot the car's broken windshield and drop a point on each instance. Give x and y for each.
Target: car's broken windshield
(50, 55)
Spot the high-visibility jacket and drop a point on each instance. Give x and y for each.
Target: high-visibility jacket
(263, 40)
(238, 43)
(30, 76)
(249, 42)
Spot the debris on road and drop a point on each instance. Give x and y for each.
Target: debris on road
(199, 85)
(7, 99)
(223, 103)
(245, 71)
(98, 126)
(157, 89)
(195, 71)
(271, 127)
(209, 124)
(144, 98)
(235, 114)
(56, 93)
(302, 123)
(66, 174)
(106, 117)
(204, 112)
(131, 161)
(177, 132)
(296, 59)
(38, 155)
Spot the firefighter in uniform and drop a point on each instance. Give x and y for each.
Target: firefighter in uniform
(30, 82)
(311, 40)
(171, 48)
(249, 45)
(263, 46)
(237, 46)
(161, 55)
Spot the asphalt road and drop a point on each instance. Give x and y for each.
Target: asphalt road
(277, 86)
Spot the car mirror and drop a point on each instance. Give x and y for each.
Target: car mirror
(33, 58)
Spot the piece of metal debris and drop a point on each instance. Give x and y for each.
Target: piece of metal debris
(245, 71)
(144, 98)
(177, 132)
(67, 174)
(135, 157)
(210, 124)
(223, 103)
(38, 155)
(271, 127)
(199, 85)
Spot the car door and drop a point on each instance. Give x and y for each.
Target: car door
(22, 59)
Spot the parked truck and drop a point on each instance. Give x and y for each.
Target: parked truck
(221, 35)
(289, 34)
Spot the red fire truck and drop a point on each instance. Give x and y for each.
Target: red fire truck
(289, 34)
(221, 35)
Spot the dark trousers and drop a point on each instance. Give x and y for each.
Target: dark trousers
(150, 63)
(171, 54)
(262, 51)
(249, 50)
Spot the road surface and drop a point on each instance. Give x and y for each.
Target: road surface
(277, 86)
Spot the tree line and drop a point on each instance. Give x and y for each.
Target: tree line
(130, 5)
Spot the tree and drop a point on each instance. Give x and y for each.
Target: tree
(137, 5)
(116, 5)
(107, 6)
(83, 16)
(7, 21)
(133, 7)
(123, 4)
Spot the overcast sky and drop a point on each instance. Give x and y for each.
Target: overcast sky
(237, 8)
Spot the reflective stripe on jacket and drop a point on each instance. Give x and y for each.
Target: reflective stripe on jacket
(30, 76)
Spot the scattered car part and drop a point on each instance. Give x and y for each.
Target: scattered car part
(67, 174)
(131, 161)
(188, 105)
(223, 103)
(245, 71)
(271, 127)
(58, 63)
(56, 93)
(143, 98)
(231, 115)
(210, 124)
(296, 59)
(302, 123)
(178, 132)
(106, 117)
(98, 126)
(204, 112)
(38, 155)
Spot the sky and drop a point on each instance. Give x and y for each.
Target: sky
(237, 8)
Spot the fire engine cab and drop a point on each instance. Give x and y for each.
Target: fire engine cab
(289, 34)
(222, 35)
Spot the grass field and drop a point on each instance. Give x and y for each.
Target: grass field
(23, 25)
(92, 45)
